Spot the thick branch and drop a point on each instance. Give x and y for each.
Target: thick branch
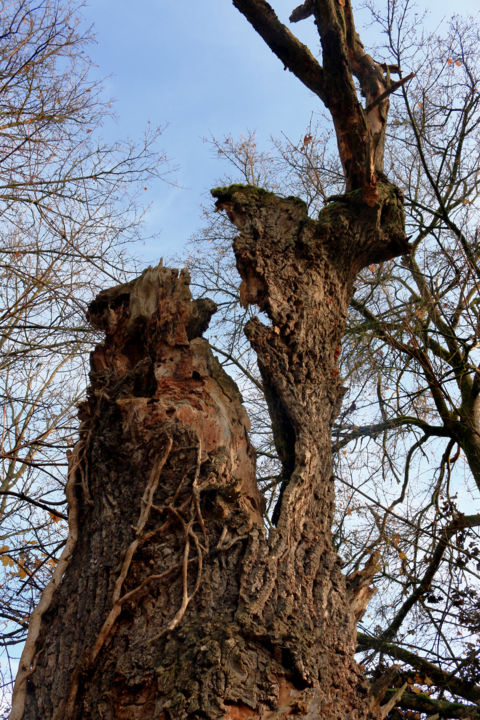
(441, 678)
(288, 48)
(44, 506)
(349, 434)
(360, 134)
(425, 704)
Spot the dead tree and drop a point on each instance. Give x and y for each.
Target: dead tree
(175, 603)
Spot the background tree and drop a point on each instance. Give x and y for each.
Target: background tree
(68, 209)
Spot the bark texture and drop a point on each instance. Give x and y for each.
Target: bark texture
(175, 604)
(166, 497)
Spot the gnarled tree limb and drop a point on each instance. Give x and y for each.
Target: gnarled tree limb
(360, 130)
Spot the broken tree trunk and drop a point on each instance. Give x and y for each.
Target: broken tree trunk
(170, 600)
(174, 603)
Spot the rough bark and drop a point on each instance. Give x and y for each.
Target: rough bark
(175, 603)
(166, 499)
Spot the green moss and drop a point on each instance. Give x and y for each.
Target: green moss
(248, 193)
(227, 193)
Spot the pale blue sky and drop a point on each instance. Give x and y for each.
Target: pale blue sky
(199, 66)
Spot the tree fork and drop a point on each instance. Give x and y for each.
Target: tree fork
(360, 130)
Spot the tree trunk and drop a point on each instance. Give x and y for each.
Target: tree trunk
(175, 603)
